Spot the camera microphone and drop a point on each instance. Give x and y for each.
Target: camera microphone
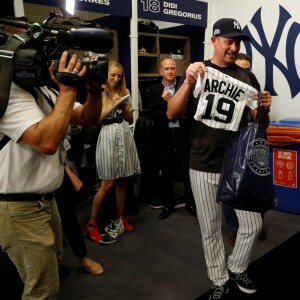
(92, 39)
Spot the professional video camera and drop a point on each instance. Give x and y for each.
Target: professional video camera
(39, 45)
(25, 57)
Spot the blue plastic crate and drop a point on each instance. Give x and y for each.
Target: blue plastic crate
(288, 122)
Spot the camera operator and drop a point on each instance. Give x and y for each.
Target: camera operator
(32, 169)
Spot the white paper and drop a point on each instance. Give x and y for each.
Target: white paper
(121, 100)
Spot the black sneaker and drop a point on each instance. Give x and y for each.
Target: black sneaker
(244, 283)
(179, 202)
(219, 291)
(157, 204)
(114, 231)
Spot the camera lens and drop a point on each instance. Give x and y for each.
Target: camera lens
(97, 69)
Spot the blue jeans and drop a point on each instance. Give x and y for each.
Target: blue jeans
(30, 233)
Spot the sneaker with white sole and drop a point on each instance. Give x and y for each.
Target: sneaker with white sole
(157, 204)
(114, 231)
(218, 292)
(179, 202)
(244, 283)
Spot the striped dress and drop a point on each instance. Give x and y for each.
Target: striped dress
(116, 153)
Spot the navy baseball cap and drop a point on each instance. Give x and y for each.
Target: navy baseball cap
(230, 28)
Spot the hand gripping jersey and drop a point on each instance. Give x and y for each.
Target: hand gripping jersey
(222, 100)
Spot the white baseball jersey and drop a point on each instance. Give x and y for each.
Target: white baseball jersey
(222, 100)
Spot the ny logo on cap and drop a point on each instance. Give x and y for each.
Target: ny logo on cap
(236, 25)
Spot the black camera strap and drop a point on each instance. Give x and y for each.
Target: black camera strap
(6, 70)
(4, 141)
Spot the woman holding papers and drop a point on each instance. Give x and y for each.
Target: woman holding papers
(116, 155)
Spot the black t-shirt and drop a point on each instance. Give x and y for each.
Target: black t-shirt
(208, 144)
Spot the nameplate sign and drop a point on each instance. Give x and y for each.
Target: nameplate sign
(187, 12)
(113, 7)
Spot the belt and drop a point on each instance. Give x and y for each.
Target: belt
(26, 197)
(112, 121)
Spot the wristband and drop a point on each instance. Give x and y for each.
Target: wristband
(69, 79)
(96, 91)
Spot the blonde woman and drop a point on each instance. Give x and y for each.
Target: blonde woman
(116, 156)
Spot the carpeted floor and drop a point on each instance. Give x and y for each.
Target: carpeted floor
(276, 274)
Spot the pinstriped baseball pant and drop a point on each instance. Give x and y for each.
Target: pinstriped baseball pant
(204, 186)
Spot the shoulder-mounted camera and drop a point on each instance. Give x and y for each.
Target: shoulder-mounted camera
(25, 57)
